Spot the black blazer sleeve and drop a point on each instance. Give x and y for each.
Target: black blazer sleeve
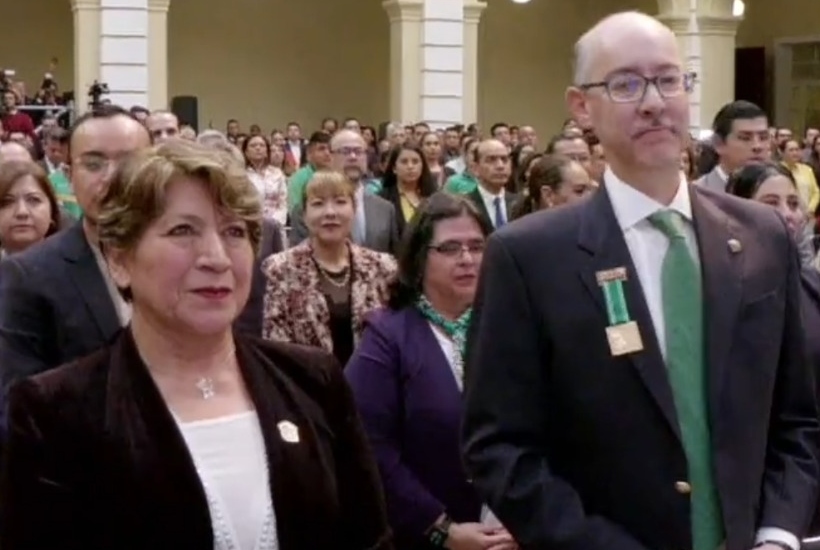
(26, 335)
(250, 320)
(505, 425)
(38, 493)
(789, 490)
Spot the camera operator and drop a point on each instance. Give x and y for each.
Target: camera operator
(14, 120)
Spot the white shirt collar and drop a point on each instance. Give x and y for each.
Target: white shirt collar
(487, 196)
(721, 172)
(631, 206)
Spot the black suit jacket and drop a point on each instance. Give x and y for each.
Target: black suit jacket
(95, 460)
(54, 306)
(250, 320)
(509, 199)
(575, 449)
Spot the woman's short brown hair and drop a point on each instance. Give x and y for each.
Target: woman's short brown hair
(329, 183)
(136, 195)
(12, 171)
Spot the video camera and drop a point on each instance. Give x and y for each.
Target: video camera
(96, 91)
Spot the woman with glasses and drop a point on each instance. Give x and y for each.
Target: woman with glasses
(407, 377)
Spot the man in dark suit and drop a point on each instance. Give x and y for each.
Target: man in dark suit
(375, 225)
(493, 167)
(636, 371)
(57, 302)
(250, 320)
(740, 137)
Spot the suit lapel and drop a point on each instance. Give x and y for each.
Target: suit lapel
(163, 468)
(298, 481)
(602, 243)
(478, 200)
(430, 354)
(88, 280)
(722, 275)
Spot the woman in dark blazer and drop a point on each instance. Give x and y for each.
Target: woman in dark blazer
(407, 376)
(182, 434)
(406, 182)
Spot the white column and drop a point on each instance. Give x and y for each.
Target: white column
(124, 51)
(158, 54)
(706, 32)
(86, 47)
(472, 15)
(442, 70)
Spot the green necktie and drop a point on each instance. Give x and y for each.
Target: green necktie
(686, 365)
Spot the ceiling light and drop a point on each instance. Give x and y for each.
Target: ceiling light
(738, 8)
(521, 1)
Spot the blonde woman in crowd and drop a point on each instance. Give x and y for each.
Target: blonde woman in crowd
(182, 433)
(28, 207)
(320, 291)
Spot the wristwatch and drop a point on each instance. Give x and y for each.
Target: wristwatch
(438, 533)
(777, 543)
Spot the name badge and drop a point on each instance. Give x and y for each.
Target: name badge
(622, 334)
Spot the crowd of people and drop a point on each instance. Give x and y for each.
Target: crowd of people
(410, 337)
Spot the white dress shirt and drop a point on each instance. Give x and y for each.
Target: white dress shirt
(489, 203)
(647, 246)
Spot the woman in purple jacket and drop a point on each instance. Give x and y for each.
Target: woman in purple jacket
(407, 378)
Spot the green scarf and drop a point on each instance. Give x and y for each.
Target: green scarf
(455, 330)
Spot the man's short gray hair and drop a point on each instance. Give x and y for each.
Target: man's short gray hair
(216, 140)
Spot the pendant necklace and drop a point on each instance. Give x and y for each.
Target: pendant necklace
(206, 387)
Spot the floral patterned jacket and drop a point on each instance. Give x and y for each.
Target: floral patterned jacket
(295, 309)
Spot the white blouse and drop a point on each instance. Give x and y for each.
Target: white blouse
(273, 189)
(231, 461)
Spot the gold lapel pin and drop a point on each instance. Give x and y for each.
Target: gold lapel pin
(734, 246)
(288, 431)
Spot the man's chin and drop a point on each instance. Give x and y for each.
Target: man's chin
(354, 174)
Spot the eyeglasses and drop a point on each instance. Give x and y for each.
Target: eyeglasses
(631, 87)
(348, 151)
(454, 249)
(95, 164)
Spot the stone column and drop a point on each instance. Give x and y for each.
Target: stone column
(472, 15)
(442, 68)
(124, 51)
(705, 26)
(405, 58)
(158, 53)
(86, 47)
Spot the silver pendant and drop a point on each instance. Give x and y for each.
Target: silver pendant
(206, 387)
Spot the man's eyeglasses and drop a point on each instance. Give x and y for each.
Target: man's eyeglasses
(454, 249)
(631, 87)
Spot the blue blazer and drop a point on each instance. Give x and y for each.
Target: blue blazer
(411, 408)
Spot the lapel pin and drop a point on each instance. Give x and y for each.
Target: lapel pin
(288, 431)
(734, 246)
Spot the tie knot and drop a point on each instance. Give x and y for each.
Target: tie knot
(497, 201)
(668, 222)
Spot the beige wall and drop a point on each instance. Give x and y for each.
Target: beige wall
(766, 21)
(525, 57)
(34, 31)
(270, 61)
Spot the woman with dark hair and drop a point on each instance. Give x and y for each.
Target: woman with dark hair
(407, 181)
(518, 156)
(430, 144)
(773, 184)
(269, 180)
(29, 211)
(407, 377)
(554, 180)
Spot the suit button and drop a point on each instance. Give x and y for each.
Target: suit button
(683, 488)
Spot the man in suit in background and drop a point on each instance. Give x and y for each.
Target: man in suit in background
(740, 137)
(57, 301)
(493, 169)
(375, 225)
(636, 370)
(250, 320)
